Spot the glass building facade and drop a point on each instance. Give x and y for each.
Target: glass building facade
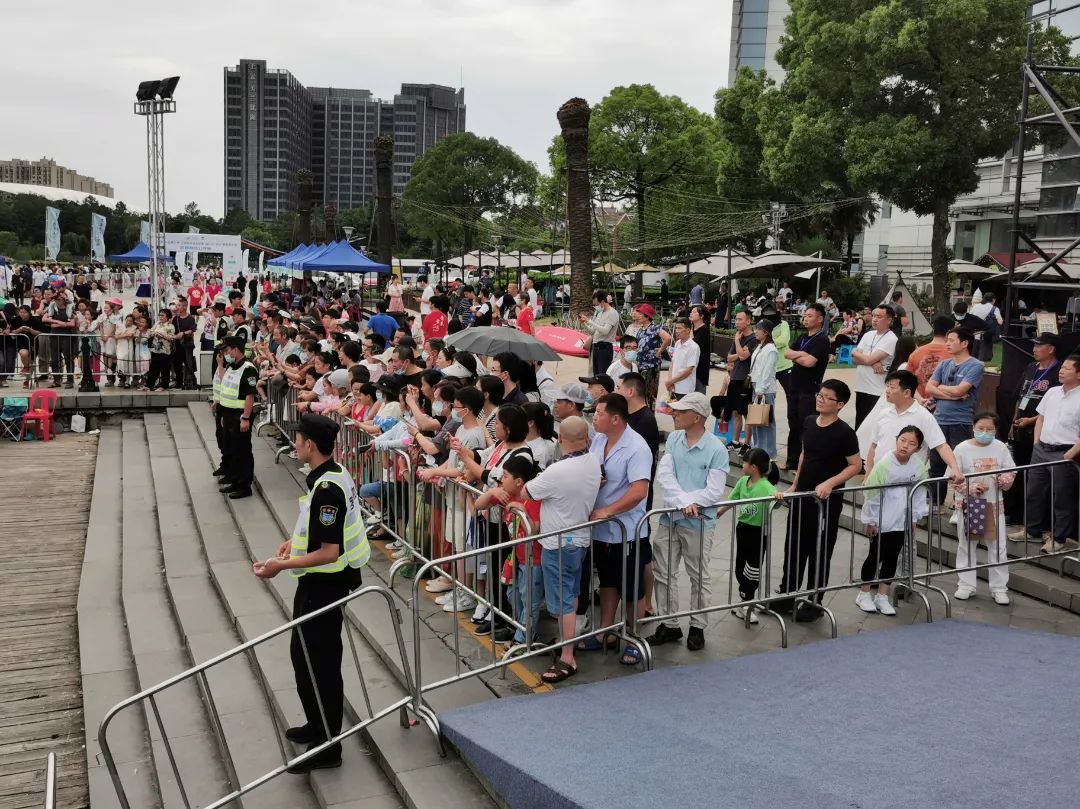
(756, 27)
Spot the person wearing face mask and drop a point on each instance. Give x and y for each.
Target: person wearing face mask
(626, 362)
(986, 455)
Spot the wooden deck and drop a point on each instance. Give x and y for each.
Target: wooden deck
(46, 494)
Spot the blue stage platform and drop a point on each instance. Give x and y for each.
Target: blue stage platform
(950, 714)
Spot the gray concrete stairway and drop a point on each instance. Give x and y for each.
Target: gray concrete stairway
(409, 758)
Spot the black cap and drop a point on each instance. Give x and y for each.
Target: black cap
(388, 383)
(603, 380)
(234, 342)
(1046, 339)
(320, 429)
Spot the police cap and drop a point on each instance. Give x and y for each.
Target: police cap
(320, 429)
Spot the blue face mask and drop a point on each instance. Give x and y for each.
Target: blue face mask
(588, 400)
(984, 438)
(631, 355)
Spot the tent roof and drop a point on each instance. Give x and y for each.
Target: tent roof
(342, 257)
(139, 254)
(919, 324)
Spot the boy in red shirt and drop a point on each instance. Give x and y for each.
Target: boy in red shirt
(516, 472)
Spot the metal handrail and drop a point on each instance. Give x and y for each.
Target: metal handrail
(407, 703)
(50, 781)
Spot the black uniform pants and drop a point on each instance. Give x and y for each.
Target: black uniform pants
(241, 464)
(811, 537)
(800, 406)
(322, 638)
(1023, 444)
(219, 436)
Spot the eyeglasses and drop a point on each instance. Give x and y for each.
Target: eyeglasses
(825, 398)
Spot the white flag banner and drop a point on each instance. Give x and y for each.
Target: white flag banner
(194, 256)
(97, 237)
(52, 233)
(144, 233)
(244, 254)
(262, 258)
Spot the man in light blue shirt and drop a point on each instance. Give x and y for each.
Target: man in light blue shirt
(625, 472)
(693, 474)
(954, 389)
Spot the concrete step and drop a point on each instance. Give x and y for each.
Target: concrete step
(157, 645)
(254, 610)
(409, 758)
(106, 663)
(247, 723)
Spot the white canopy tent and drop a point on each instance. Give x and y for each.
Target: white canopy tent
(919, 324)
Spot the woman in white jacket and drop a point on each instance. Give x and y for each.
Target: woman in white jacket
(763, 377)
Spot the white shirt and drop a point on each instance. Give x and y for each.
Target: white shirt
(1060, 412)
(985, 311)
(566, 491)
(425, 299)
(685, 354)
(866, 380)
(534, 299)
(617, 369)
(890, 423)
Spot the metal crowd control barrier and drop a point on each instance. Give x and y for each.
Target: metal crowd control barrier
(198, 672)
(936, 556)
(77, 357)
(621, 628)
(281, 415)
(665, 563)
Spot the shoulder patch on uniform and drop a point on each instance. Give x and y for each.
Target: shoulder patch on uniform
(324, 484)
(328, 515)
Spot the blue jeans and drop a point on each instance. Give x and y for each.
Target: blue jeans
(519, 594)
(765, 437)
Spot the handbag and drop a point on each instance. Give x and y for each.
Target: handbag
(976, 516)
(757, 414)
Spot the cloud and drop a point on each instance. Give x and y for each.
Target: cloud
(519, 60)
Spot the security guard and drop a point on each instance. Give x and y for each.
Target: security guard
(326, 551)
(218, 411)
(236, 399)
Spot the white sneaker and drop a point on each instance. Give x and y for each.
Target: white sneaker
(445, 598)
(865, 602)
(373, 520)
(884, 606)
(480, 614)
(581, 623)
(964, 593)
(460, 601)
(439, 585)
(740, 613)
(395, 545)
(400, 553)
(1001, 597)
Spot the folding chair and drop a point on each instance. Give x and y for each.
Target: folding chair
(11, 415)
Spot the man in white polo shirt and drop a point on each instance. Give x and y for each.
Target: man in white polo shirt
(872, 358)
(1057, 437)
(904, 411)
(685, 353)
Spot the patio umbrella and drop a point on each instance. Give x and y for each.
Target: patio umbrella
(774, 262)
(960, 268)
(641, 268)
(491, 340)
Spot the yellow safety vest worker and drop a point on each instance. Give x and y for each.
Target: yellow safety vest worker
(229, 388)
(216, 397)
(249, 349)
(356, 550)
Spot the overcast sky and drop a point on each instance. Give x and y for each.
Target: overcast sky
(70, 69)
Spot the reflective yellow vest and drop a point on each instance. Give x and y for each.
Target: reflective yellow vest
(217, 388)
(356, 550)
(229, 388)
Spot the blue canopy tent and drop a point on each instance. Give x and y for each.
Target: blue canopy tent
(314, 251)
(280, 261)
(139, 254)
(343, 257)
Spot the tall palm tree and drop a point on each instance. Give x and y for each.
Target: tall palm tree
(574, 121)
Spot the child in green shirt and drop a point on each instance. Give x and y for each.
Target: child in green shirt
(759, 479)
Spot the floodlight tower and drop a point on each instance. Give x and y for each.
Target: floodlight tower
(153, 100)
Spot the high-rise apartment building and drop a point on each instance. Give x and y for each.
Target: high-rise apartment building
(274, 126)
(756, 27)
(47, 172)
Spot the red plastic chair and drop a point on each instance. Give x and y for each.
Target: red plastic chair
(39, 414)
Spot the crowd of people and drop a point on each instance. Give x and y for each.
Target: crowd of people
(590, 450)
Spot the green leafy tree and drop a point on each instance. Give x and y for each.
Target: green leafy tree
(458, 182)
(642, 143)
(921, 90)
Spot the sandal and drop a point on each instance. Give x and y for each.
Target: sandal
(631, 656)
(593, 644)
(560, 670)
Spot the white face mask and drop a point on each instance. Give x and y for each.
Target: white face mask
(438, 407)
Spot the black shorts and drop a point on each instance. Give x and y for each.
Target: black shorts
(611, 566)
(738, 397)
